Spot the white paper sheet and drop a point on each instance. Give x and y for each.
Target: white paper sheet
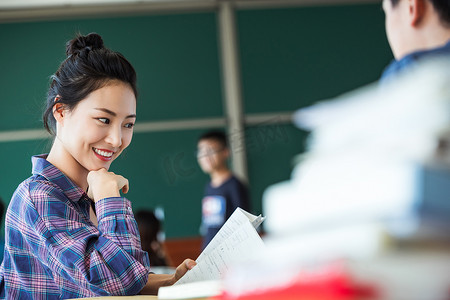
(236, 241)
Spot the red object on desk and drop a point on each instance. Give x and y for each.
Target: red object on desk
(332, 285)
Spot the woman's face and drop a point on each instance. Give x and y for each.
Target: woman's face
(100, 127)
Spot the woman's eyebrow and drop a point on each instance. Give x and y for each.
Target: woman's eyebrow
(113, 113)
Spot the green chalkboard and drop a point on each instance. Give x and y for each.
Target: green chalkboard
(175, 56)
(293, 57)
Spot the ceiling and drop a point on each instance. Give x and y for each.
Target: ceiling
(30, 4)
(17, 4)
(29, 10)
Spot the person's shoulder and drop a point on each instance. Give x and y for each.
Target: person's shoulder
(32, 191)
(236, 179)
(40, 188)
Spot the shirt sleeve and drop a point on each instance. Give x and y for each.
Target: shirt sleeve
(107, 260)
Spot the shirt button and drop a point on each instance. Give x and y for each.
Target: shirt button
(129, 208)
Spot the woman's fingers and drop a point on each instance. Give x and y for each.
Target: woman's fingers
(124, 185)
(185, 266)
(104, 184)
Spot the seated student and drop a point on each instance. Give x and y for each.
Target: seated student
(225, 192)
(2, 240)
(149, 229)
(69, 233)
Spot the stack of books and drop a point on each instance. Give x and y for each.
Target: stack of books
(370, 195)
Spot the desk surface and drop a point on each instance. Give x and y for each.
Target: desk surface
(121, 298)
(129, 298)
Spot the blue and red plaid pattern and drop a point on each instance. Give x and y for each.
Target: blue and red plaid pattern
(54, 251)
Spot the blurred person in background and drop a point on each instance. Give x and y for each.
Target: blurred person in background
(225, 192)
(416, 29)
(2, 239)
(149, 229)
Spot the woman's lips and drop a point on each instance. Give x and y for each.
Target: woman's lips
(103, 154)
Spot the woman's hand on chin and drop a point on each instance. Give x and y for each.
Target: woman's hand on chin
(104, 184)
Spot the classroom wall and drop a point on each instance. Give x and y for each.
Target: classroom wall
(290, 58)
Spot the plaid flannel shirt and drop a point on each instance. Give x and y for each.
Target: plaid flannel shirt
(54, 251)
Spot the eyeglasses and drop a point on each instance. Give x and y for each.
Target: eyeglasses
(207, 152)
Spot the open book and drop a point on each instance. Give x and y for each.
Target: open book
(236, 241)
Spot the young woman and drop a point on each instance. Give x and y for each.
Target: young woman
(68, 231)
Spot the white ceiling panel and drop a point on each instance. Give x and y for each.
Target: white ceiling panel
(17, 4)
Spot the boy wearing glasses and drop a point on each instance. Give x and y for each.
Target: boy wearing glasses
(224, 193)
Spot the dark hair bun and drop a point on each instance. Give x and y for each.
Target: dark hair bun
(82, 44)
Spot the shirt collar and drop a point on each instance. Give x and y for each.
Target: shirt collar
(42, 167)
(442, 50)
(402, 64)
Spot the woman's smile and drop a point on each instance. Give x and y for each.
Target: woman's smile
(103, 154)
